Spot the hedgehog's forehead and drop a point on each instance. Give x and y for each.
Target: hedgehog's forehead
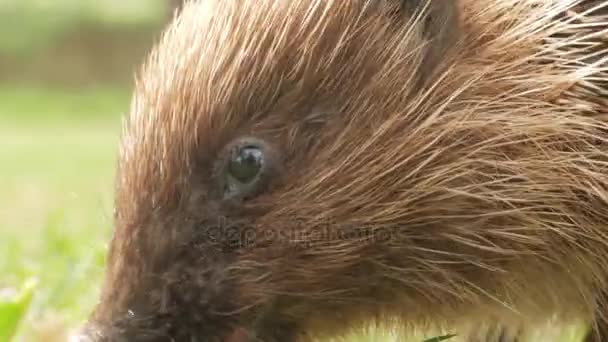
(217, 45)
(221, 61)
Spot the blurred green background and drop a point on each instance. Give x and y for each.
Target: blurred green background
(66, 68)
(66, 71)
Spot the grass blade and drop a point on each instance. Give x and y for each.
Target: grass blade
(13, 308)
(439, 338)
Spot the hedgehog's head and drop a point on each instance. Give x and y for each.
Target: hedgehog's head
(262, 130)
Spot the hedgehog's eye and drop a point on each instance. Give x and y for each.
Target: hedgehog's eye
(245, 164)
(246, 168)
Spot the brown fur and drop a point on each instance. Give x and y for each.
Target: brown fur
(434, 170)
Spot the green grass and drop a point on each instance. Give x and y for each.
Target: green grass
(14, 306)
(57, 165)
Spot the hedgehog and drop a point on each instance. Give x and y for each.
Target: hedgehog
(294, 170)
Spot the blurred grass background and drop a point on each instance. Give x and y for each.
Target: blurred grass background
(66, 68)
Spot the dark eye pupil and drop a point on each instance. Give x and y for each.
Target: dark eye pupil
(246, 164)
